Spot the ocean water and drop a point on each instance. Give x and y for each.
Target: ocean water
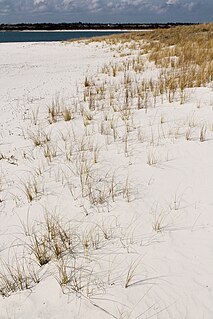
(49, 36)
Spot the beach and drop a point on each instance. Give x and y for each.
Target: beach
(105, 190)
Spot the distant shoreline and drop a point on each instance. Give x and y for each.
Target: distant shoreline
(81, 27)
(88, 30)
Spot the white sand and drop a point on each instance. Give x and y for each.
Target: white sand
(174, 274)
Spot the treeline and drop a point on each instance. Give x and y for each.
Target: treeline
(86, 26)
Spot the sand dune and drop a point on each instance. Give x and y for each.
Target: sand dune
(106, 207)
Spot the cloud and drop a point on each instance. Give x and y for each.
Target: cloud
(125, 4)
(40, 5)
(106, 10)
(39, 2)
(158, 9)
(186, 4)
(94, 5)
(189, 6)
(52, 6)
(171, 2)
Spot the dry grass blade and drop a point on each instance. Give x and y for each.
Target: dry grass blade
(131, 273)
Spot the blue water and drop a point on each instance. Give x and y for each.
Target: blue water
(14, 36)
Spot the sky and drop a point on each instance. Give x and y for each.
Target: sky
(121, 11)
